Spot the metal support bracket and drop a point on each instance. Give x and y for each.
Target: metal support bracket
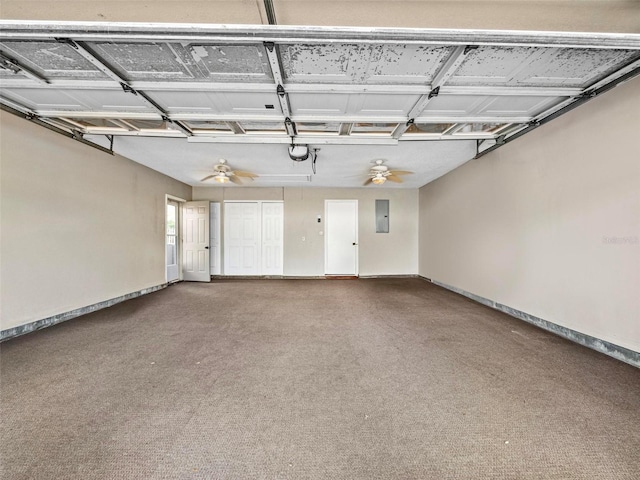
(128, 88)
(590, 94)
(270, 11)
(448, 69)
(16, 67)
(23, 112)
(108, 70)
(567, 108)
(283, 98)
(468, 48)
(291, 128)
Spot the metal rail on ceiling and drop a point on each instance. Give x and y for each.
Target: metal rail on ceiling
(576, 102)
(122, 31)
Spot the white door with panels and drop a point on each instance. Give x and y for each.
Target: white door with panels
(215, 256)
(272, 241)
(241, 238)
(195, 247)
(341, 237)
(253, 238)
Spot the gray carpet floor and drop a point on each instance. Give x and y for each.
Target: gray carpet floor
(312, 379)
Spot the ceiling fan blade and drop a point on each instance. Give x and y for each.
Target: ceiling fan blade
(367, 181)
(240, 173)
(400, 172)
(207, 178)
(393, 178)
(234, 179)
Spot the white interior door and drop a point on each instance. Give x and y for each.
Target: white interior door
(272, 238)
(214, 239)
(195, 246)
(172, 242)
(341, 237)
(242, 238)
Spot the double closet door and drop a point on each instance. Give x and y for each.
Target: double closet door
(253, 238)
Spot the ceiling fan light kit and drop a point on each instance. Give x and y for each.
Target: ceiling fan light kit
(380, 173)
(224, 174)
(221, 178)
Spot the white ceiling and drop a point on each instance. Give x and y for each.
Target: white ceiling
(336, 166)
(423, 100)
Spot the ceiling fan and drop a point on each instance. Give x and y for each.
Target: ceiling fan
(380, 173)
(224, 174)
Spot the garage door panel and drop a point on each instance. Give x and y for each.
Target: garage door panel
(218, 102)
(52, 59)
(352, 104)
(77, 100)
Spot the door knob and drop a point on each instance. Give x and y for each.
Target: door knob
(207, 248)
(354, 243)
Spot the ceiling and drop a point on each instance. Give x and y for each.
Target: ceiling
(177, 98)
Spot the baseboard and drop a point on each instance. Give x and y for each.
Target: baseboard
(304, 277)
(247, 277)
(616, 351)
(63, 317)
(408, 275)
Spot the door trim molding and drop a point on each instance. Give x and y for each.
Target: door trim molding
(172, 198)
(220, 255)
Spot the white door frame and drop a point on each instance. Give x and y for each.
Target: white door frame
(327, 202)
(180, 201)
(217, 255)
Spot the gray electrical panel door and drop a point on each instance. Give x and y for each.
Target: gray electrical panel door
(382, 216)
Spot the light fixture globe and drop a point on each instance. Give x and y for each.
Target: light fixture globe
(378, 179)
(221, 178)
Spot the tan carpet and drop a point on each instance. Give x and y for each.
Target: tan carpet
(312, 379)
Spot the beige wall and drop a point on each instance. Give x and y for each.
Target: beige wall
(220, 194)
(78, 226)
(549, 224)
(393, 253)
(560, 15)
